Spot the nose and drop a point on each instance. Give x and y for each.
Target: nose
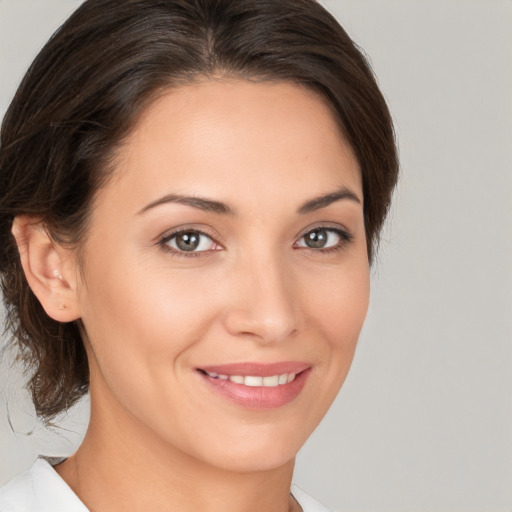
(263, 304)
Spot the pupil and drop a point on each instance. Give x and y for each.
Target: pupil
(316, 239)
(187, 241)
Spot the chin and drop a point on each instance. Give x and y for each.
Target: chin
(254, 453)
(251, 463)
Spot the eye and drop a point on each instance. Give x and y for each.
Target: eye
(190, 241)
(324, 238)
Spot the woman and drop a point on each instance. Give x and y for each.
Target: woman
(192, 192)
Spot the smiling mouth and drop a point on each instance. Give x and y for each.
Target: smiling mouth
(269, 381)
(255, 385)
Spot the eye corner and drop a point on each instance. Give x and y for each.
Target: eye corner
(194, 239)
(330, 239)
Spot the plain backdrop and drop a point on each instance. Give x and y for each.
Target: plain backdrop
(424, 421)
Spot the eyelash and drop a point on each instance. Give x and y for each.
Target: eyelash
(164, 241)
(345, 238)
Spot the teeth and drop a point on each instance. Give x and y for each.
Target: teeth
(271, 382)
(255, 380)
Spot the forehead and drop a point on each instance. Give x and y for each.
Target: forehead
(222, 134)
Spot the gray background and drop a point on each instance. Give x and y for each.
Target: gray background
(424, 421)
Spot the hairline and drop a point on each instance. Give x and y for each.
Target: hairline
(108, 168)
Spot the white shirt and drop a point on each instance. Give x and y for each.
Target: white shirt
(41, 489)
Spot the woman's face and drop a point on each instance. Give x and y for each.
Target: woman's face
(227, 254)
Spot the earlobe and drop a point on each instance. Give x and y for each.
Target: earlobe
(49, 269)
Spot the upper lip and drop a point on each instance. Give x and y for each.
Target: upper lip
(259, 369)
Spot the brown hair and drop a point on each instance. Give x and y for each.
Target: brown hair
(83, 92)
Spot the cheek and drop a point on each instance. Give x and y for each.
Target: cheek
(140, 322)
(339, 301)
(337, 311)
(348, 305)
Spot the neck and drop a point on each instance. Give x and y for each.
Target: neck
(118, 453)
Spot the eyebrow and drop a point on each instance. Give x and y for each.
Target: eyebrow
(325, 200)
(209, 205)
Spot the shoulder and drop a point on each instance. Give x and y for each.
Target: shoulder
(40, 489)
(17, 494)
(307, 502)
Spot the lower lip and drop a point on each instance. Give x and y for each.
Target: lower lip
(258, 397)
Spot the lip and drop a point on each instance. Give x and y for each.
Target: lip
(253, 368)
(260, 397)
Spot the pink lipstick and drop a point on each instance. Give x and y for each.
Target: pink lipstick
(257, 385)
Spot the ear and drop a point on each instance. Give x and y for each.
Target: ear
(50, 269)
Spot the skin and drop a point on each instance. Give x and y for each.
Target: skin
(158, 435)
